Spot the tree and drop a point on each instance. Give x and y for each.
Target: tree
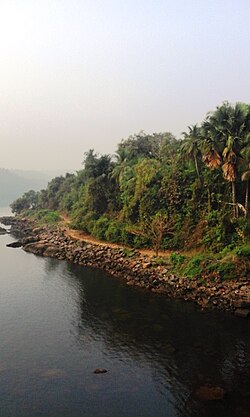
(225, 131)
(28, 201)
(191, 146)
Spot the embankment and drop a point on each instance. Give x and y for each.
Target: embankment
(137, 269)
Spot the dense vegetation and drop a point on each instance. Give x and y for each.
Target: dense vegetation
(162, 192)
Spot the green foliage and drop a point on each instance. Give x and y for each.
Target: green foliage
(28, 201)
(225, 268)
(115, 232)
(243, 251)
(160, 260)
(46, 216)
(161, 192)
(218, 232)
(195, 266)
(128, 253)
(100, 227)
(177, 259)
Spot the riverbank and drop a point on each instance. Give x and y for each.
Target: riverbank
(138, 269)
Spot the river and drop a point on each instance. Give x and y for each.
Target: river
(59, 322)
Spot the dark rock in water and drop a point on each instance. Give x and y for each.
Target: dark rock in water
(8, 220)
(17, 244)
(242, 312)
(42, 248)
(3, 231)
(36, 248)
(29, 239)
(206, 393)
(100, 371)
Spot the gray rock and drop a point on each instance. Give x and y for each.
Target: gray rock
(29, 239)
(242, 312)
(100, 371)
(17, 244)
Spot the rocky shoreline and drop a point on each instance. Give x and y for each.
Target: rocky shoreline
(133, 267)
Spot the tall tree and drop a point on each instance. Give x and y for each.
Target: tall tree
(225, 131)
(191, 146)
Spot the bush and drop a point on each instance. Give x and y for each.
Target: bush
(225, 269)
(243, 251)
(100, 227)
(128, 253)
(114, 232)
(176, 259)
(46, 216)
(195, 266)
(160, 261)
(141, 242)
(219, 231)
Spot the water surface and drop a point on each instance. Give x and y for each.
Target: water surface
(59, 322)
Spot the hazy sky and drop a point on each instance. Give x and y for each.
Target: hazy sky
(81, 74)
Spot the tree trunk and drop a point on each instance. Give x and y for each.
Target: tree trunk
(208, 200)
(246, 199)
(196, 166)
(234, 200)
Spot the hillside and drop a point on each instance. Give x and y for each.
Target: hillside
(13, 183)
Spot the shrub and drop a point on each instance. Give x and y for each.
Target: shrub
(161, 261)
(227, 270)
(176, 259)
(141, 242)
(219, 231)
(46, 216)
(243, 251)
(195, 266)
(128, 253)
(114, 232)
(99, 228)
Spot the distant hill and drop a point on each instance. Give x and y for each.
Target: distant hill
(13, 183)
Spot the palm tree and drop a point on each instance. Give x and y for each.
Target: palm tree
(191, 145)
(246, 174)
(246, 177)
(120, 163)
(225, 132)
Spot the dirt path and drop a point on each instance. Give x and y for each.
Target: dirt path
(82, 236)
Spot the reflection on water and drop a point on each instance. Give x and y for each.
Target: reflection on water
(60, 322)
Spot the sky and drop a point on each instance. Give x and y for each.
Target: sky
(81, 74)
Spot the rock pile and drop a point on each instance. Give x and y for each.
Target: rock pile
(137, 269)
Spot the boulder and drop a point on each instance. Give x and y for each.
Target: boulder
(17, 244)
(36, 248)
(100, 371)
(8, 220)
(3, 231)
(29, 239)
(51, 251)
(242, 312)
(206, 393)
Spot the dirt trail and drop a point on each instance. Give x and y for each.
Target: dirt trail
(79, 235)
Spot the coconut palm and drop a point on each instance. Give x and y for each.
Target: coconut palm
(191, 146)
(120, 164)
(246, 177)
(226, 131)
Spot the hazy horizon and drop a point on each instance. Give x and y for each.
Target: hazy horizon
(84, 74)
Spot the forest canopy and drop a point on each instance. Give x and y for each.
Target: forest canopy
(161, 191)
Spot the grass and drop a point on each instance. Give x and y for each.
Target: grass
(228, 264)
(45, 217)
